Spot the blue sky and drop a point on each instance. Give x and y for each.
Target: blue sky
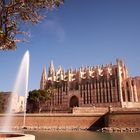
(80, 32)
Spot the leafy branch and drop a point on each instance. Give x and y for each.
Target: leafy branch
(13, 13)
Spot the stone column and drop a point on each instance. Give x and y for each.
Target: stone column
(112, 92)
(115, 92)
(108, 87)
(87, 93)
(120, 84)
(58, 96)
(101, 92)
(135, 94)
(94, 93)
(98, 89)
(131, 92)
(105, 91)
(90, 96)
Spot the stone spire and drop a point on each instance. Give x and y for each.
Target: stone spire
(51, 71)
(43, 79)
(59, 73)
(59, 70)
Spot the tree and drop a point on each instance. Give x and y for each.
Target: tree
(37, 99)
(14, 13)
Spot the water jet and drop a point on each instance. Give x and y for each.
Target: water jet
(21, 86)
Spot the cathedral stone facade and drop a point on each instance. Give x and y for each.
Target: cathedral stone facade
(98, 86)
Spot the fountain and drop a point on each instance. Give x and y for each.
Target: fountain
(21, 85)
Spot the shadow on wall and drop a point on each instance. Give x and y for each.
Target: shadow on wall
(98, 124)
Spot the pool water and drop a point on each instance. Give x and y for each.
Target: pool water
(84, 135)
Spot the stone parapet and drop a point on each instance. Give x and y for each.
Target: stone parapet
(89, 110)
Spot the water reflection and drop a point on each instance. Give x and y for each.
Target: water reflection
(85, 135)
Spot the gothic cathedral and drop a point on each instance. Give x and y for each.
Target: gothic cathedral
(100, 86)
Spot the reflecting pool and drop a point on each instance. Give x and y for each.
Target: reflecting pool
(84, 135)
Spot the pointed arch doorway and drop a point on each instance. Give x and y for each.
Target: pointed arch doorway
(74, 102)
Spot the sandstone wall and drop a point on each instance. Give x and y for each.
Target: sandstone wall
(120, 118)
(89, 110)
(59, 121)
(123, 119)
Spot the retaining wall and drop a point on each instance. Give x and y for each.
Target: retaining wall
(54, 121)
(120, 118)
(123, 119)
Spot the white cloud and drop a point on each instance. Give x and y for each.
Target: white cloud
(56, 29)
